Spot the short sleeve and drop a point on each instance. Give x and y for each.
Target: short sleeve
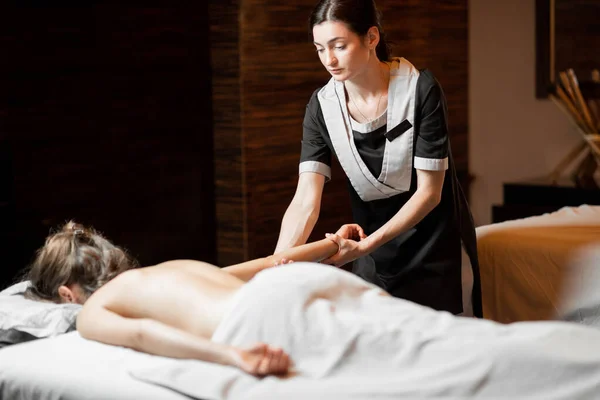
(431, 150)
(315, 155)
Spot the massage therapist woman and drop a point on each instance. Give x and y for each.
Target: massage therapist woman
(386, 122)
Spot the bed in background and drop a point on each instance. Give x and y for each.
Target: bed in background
(543, 267)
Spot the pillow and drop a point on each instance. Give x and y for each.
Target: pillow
(17, 288)
(22, 319)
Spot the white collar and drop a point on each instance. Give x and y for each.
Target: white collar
(396, 169)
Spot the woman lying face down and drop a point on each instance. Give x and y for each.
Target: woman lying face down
(170, 309)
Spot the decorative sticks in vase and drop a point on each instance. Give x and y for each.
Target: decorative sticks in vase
(584, 113)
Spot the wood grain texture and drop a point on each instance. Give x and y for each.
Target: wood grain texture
(109, 122)
(577, 37)
(278, 71)
(230, 182)
(576, 40)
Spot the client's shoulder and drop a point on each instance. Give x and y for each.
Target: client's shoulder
(122, 283)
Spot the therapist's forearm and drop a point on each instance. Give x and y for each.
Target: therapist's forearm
(296, 226)
(415, 209)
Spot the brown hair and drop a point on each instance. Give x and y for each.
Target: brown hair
(75, 254)
(358, 15)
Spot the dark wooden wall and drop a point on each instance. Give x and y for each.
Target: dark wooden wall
(577, 37)
(568, 40)
(230, 189)
(264, 71)
(106, 117)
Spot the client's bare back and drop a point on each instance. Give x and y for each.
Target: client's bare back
(185, 294)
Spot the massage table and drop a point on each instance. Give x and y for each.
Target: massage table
(356, 343)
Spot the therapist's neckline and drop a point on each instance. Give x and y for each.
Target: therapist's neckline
(385, 72)
(351, 94)
(366, 127)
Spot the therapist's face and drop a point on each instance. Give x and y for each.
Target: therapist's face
(343, 53)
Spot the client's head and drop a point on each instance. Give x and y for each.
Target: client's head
(73, 263)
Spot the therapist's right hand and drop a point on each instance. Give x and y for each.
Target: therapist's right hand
(351, 231)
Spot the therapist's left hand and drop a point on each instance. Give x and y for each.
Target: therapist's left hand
(348, 250)
(351, 231)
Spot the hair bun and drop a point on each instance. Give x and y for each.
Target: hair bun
(74, 228)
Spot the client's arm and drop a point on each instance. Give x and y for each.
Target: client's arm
(315, 251)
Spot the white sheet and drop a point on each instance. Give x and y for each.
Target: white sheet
(349, 341)
(528, 266)
(68, 367)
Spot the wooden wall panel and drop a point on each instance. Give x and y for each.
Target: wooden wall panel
(279, 70)
(109, 121)
(567, 36)
(577, 37)
(230, 189)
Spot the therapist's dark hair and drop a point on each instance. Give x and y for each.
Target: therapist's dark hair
(358, 15)
(75, 255)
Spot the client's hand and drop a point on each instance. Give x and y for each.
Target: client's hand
(262, 359)
(282, 261)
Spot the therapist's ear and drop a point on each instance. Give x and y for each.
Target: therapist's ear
(66, 294)
(372, 37)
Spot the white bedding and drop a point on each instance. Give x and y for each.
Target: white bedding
(349, 341)
(532, 268)
(68, 367)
